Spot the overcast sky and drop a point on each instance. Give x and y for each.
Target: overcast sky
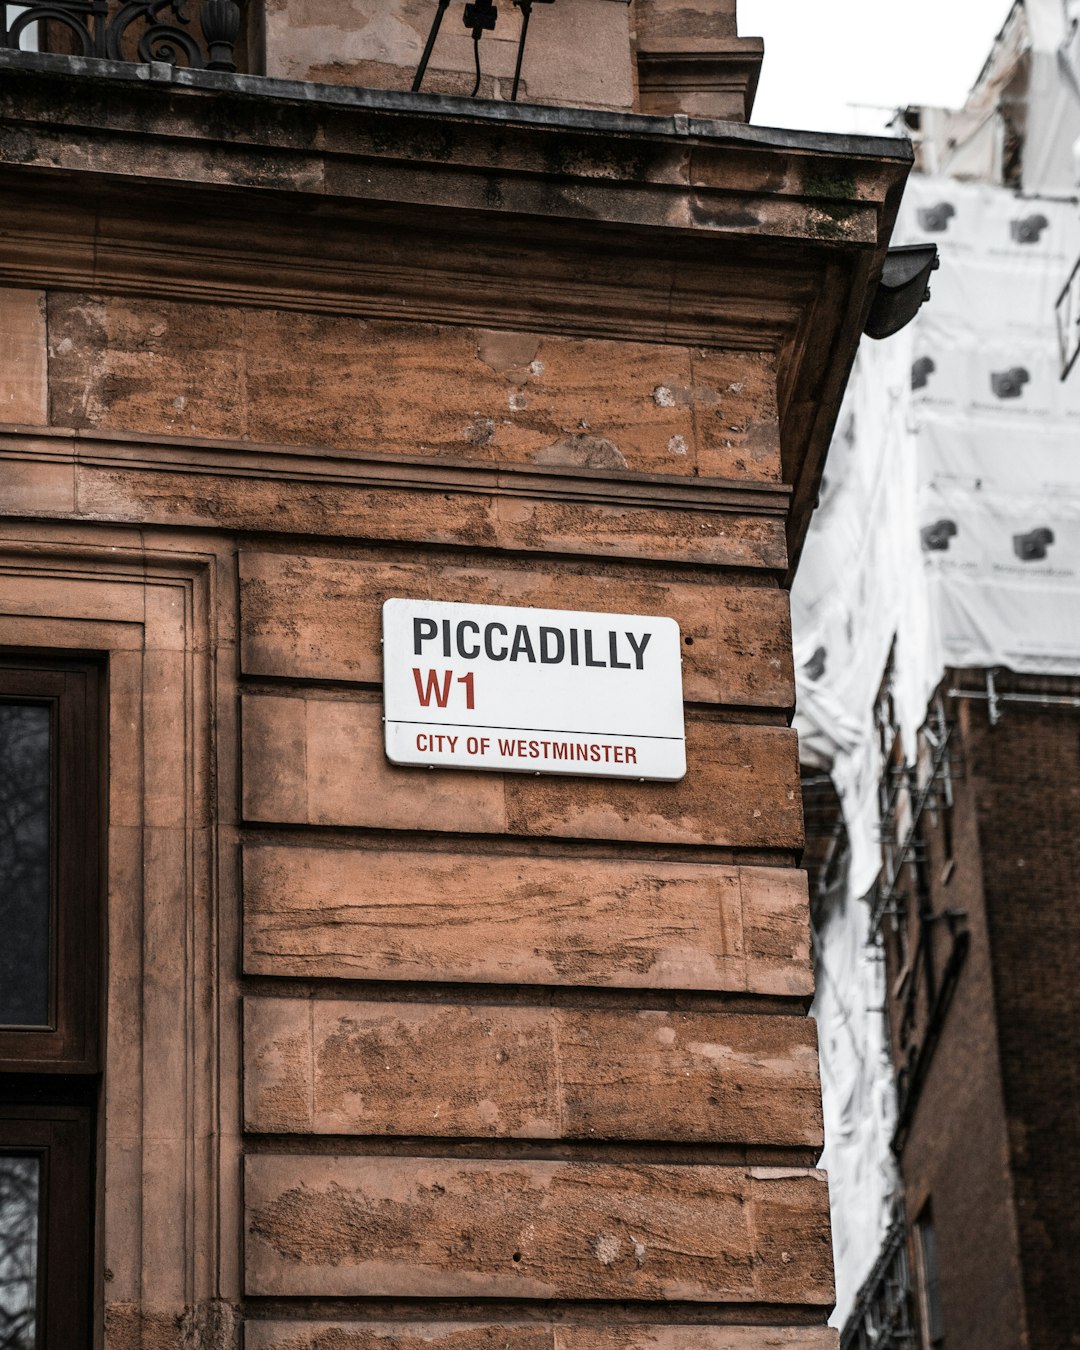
(823, 57)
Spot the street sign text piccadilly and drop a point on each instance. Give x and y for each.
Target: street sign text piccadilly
(533, 690)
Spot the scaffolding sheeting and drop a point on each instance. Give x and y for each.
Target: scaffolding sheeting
(857, 1093)
(950, 514)
(948, 535)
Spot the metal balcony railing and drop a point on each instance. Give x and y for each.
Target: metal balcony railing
(128, 30)
(882, 1318)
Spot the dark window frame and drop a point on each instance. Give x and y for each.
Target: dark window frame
(61, 1137)
(71, 1043)
(50, 1076)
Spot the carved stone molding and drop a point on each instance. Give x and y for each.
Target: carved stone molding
(243, 189)
(152, 615)
(237, 485)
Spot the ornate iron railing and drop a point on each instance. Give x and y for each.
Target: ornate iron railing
(129, 30)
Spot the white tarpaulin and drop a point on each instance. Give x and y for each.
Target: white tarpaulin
(856, 1084)
(996, 433)
(948, 533)
(950, 513)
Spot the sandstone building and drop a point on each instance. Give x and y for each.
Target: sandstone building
(302, 1050)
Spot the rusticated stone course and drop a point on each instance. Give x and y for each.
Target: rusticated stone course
(389, 914)
(274, 376)
(508, 1336)
(341, 1068)
(339, 1226)
(318, 760)
(319, 618)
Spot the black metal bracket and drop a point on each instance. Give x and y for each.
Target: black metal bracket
(429, 46)
(481, 17)
(526, 14)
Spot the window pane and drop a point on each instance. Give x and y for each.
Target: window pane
(24, 865)
(19, 1186)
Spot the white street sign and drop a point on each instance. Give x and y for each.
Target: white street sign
(533, 690)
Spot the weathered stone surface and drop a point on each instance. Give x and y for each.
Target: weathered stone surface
(211, 1324)
(276, 376)
(695, 1338)
(319, 760)
(738, 793)
(377, 913)
(351, 207)
(583, 61)
(690, 1077)
(36, 487)
(294, 503)
(396, 1336)
(135, 1326)
(320, 618)
(353, 1226)
(332, 1067)
(531, 1336)
(614, 531)
(345, 1067)
(775, 910)
(665, 24)
(23, 359)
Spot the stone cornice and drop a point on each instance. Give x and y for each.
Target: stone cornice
(478, 112)
(268, 136)
(236, 189)
(304, 491)
(201, 457)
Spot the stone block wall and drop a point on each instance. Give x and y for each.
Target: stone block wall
(538, 1042)
(654, 56)
(578, 51)
(397, 1056)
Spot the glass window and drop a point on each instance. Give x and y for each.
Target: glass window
(25, 885)
(49, 867)
(50, 830)
(20, 1187)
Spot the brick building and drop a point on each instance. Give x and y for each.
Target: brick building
(976, 920)
(299, 1048)
(981, 935)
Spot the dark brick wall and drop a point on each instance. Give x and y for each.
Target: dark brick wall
(955, 1156)
(993, 1141)
(1025, 779)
